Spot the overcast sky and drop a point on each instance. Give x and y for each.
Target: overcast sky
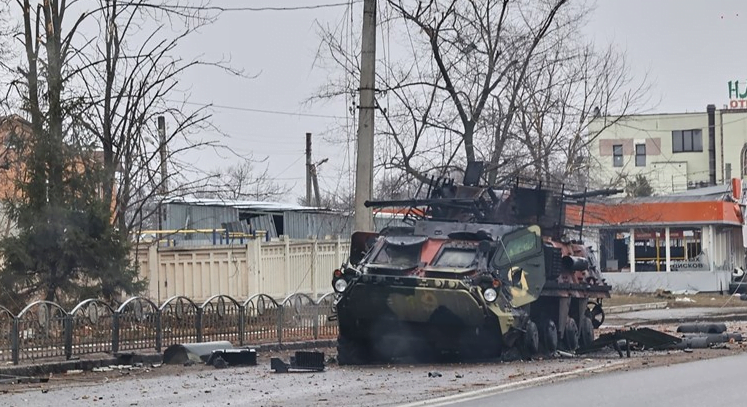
(688, 49)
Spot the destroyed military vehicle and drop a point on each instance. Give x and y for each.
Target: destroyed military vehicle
(478, 271)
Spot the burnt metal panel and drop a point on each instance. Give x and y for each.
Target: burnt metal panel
(181, 216)
(304, 225)
(264, 222)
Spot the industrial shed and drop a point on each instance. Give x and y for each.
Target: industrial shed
(277, 219)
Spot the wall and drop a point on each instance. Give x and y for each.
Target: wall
(665, 169)
(730, 151)
(649, 282)
(276, 268)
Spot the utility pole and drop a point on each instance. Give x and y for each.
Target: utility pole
(315, 180)
(308, 169)
(164, 171)
(365, 153)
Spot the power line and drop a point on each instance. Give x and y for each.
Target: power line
(289, 8)
(265, 111)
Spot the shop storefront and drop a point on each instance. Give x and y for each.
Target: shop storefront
(674, 242)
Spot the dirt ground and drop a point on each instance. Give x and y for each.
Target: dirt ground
(338, 385)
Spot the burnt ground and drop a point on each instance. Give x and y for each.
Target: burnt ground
(338, 385)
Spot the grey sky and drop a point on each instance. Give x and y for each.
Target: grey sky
(690, 50)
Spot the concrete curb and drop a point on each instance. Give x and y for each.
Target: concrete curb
(44, 368)
(682, 320)
(618, 309)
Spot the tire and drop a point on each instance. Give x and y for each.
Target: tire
(570, 335)
(586, 332)
(350, 352)
(531, 338)
(549, 336)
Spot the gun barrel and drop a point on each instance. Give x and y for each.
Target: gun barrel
(597, 192)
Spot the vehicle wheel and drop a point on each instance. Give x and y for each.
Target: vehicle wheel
(586, 334)
(531, 338)
(350, 352)
(549, 336)
(570, 336)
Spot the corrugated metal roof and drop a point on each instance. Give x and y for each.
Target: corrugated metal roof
(244, 205)
(714, 190)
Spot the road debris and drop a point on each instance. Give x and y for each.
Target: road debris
(196, 352)
(16, 379)
(309, 361)
(710, 328)
(434, 374)
(634, 338)
(233, 357)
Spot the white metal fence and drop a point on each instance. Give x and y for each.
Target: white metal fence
(276, 268)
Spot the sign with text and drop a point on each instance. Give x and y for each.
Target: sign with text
(737, 95)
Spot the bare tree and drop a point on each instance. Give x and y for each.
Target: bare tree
(566, 92)
(130, 74)
(467, 81)
(243, 182)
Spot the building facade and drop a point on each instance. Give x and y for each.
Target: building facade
(675, 152)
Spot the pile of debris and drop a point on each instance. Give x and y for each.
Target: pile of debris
(222, 354)
(694, 336)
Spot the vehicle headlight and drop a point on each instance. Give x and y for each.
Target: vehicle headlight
(340, 285)
(490, 294)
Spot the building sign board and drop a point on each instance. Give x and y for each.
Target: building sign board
(737, 95)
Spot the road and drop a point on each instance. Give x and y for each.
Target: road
(702, 383)
(673, 374)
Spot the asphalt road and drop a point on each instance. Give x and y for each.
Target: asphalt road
(711, 382)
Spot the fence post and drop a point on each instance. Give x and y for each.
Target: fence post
(68, 325)
(287, 268)
(242, 324)
(317, 306)
(338, 252)
(280, 324)
(115, 332)
(198, 324)
(159, 330)
(314, 257)
(15, 341)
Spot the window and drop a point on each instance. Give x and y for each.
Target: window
(452, 257)
(687, 141)
(401, 256)
(617, 155)
(516, 248)
(640, 155)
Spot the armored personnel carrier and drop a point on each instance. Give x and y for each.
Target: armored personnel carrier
(477, 271)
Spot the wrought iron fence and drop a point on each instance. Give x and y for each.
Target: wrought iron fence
(45, 329)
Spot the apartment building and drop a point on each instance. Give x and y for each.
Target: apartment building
(674, 151)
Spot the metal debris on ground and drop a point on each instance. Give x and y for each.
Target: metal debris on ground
(16, 379)
(634, 338)
(233, 357)
(434, 374)
(709, 328)
(302, 361)
(218, 363)
(197, 352)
